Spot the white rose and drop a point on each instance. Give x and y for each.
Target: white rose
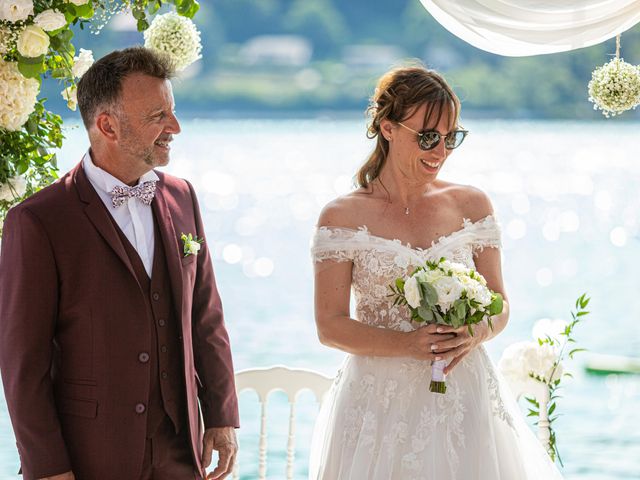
(15, 10)
(193, 248)
(412, 292)
(78, 2)
(70, 94)
(50, 20)
(449, 290)
(33, 42)
(15, 188)
(82, 62)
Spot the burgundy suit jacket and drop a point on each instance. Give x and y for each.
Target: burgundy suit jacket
(72, 324)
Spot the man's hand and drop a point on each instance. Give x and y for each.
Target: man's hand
(62, 476)
(223, 440)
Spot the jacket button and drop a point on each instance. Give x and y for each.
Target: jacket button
(161, 322)
(163, 349)
(156, 296)
(164, 375)
(140, 408)
(143, 357)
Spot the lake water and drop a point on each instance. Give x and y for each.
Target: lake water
(567, 195)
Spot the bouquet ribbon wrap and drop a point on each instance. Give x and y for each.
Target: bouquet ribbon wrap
(438, 376)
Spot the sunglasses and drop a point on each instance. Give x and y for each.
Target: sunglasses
(429, 139)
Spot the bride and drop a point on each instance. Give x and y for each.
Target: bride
(380, 421)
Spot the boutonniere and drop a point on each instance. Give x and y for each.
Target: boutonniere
(191, 244)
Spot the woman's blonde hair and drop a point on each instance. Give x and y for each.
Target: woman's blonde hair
(399, 93)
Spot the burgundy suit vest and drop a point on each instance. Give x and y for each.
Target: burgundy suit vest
(166, 387)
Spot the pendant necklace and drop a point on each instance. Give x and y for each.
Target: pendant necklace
(406, 210)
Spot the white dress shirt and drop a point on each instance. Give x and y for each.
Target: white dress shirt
(134, 218)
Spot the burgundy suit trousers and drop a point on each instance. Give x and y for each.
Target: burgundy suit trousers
(167, 455)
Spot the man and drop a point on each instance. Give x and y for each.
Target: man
(111, 326)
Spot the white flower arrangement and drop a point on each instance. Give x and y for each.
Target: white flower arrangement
(541, 360)
(615, 87)
(19, 96)
(175, 36)
(13, 189)
(446, 293)
(528, 359)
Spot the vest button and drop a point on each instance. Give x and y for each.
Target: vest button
(156, 296)
(161, 322)
(140, 408)
(143, 357)
(164, 375)
(163, 349)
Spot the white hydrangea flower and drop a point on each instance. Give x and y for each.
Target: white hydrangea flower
(78, 2)
(175, 35)
(50, 20)
(521, 359)
(19, 96)
(15, 10)
(70, 94)
(14, 189)
(615, 87)
(33, 42)
(82, 62)
(412, 292)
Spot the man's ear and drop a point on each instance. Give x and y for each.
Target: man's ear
(107, 125)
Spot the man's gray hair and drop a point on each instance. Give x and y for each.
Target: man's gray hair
(100, 87)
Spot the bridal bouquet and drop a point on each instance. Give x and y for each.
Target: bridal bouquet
(446, 293)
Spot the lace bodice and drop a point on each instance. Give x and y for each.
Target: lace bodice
(378, 261)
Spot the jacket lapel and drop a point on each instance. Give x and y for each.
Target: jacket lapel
(171, 245)
(99, 216)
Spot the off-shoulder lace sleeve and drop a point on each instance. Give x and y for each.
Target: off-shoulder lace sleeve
(337, 243)
(485, 233)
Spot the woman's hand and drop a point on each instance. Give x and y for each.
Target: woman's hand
(461, 344)
(420, 342)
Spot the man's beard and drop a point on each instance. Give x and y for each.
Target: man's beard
(148, 155)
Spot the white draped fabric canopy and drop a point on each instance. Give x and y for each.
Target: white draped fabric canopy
(520, 28)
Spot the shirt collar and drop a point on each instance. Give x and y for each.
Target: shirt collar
(104, 180)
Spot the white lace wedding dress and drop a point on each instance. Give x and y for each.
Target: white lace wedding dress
(380, 422)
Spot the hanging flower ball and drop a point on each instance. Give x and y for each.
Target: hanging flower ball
(19, 96)
(615, 87)
(176, 36)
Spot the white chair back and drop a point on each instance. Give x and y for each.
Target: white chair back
(539, 391)
(290, 380)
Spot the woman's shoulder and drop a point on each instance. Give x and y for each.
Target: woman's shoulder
(471, 202)
(344, 211)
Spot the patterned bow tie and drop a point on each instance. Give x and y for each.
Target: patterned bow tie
(143, 192)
